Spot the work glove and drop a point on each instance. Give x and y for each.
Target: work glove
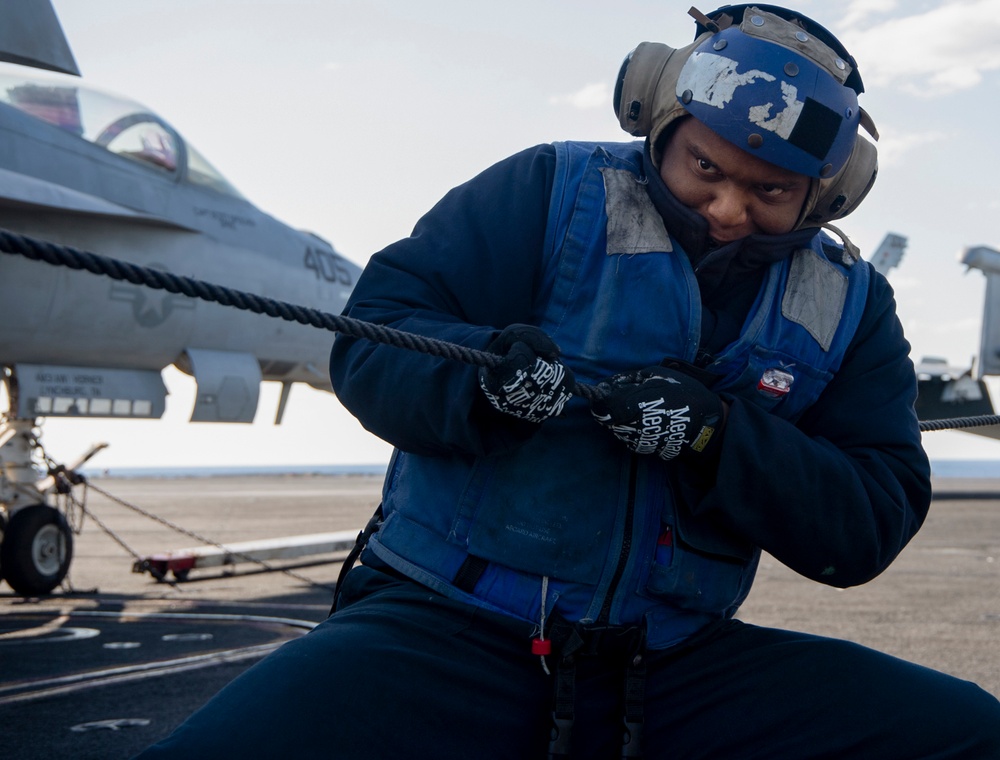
(663, 411)
(530, 382)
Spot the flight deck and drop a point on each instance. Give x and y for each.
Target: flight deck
(113, 660)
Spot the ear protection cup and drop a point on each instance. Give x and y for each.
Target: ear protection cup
(645, 91)
(835, 198)
(646, 100)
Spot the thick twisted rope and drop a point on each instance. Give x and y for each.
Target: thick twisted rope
(67, 256)
(74, 258)
(954, 423)
(60, 255)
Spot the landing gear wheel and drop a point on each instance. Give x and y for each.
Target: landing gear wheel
(37, 549)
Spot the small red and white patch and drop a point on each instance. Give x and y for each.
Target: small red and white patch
(775, 382)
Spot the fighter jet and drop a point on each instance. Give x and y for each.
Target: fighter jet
(889, 253)
(83, 168)
(947, 392)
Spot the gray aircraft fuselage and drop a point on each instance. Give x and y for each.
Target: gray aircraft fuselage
(133, 189)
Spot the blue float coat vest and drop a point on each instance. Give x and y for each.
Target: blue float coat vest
(570, 521)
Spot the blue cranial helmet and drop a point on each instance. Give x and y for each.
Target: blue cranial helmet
(774, 89)
(769, 81)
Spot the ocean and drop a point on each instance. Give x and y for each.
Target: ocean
(940, 468)
(965, 468)
(228, 472)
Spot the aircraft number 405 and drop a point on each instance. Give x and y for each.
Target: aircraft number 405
(327, 266)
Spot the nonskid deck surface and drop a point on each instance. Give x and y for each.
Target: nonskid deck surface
(118, 661)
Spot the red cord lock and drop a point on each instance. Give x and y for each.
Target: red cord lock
(541, 647)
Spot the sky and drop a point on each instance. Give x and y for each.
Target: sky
(351, 118)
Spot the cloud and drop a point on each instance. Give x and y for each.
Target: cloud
(947, 48)
(956, 326)
(893, 145)
(859, 11)
(588, 97)
(900, 284)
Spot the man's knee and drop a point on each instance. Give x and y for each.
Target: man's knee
(981, 712)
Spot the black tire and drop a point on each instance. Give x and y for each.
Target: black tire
(37, 549)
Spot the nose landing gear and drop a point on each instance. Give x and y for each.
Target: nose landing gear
(37, 539)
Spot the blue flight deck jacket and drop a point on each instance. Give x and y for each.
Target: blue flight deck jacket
(487, 514)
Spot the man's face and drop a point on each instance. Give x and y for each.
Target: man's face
(738, 194)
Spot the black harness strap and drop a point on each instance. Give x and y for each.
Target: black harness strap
(618, 646)
(635, 694)
(564, 697)
(561, 737)
(359, 545)
(469, 573)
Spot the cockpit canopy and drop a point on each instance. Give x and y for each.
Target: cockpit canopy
(116, 124)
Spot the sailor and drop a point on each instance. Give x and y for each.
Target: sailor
(551, 575)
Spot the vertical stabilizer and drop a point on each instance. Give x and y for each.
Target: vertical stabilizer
(30, 34)
(987, 260)
(889, 253)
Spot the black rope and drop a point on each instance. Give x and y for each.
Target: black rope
(59, 255)
(955, 423)
(74, 258)
(67, 256)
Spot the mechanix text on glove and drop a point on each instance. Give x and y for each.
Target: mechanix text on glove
(530, 383)
(660, 411)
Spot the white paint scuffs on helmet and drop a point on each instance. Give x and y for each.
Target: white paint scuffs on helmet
(713, 79)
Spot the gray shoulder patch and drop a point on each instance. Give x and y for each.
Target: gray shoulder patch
(634, 224)
(815, 296)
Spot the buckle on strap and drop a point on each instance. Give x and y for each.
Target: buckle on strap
(635, 695)
(562, 733)
(564, 703)
(623, 646)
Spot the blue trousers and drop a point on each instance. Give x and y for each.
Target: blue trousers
(401, 672)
